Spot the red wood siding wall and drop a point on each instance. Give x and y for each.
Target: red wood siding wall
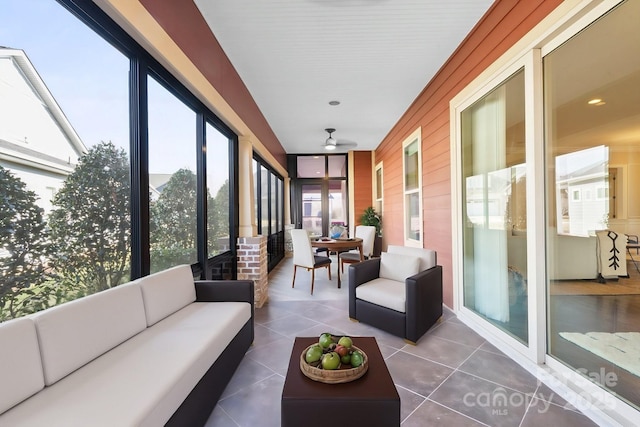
(186, 26)
(501, 27)
(363, 184)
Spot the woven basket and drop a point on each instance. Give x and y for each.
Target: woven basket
(334, 376)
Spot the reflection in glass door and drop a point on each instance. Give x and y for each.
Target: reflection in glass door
(494, 200)
(592, 130)
(312, 208)
(337, 203)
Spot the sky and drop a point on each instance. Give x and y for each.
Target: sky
(89, 80)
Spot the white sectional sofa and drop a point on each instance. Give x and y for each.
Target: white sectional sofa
(156, 351)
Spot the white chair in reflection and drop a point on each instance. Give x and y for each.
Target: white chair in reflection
(304, 257)
(368, 235)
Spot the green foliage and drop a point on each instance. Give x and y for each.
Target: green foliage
(24, 247)
(174, 222)
(90, 224)
(371, 217)
(218, 218)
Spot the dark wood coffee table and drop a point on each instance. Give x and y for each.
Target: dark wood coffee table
(371, 400)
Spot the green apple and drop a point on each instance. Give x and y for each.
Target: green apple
(314, 353)
(346, 359)
(356, 359)
(345, 342)
(325, 340)
(331, 361)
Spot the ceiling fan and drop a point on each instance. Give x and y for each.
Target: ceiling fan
(331, 143)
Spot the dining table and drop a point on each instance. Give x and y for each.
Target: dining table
(339, 245)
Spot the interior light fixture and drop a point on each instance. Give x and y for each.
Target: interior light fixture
(331, 143)
(334, 102)
(595, 101)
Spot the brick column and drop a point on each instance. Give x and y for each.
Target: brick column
(252, 265)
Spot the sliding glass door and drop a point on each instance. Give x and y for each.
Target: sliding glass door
(592, 127)
(494, 208)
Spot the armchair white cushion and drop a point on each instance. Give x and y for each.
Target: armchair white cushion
(385, 293)
(398, 267)
(428, 257)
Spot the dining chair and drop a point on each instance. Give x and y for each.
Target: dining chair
(368, 235)
(304, 257)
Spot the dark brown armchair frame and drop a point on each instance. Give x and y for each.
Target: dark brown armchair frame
(423, 301)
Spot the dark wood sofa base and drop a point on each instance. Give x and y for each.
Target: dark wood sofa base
(197, 407)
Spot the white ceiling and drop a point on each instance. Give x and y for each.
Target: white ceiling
(374, 56)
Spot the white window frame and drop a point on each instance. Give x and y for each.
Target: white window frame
(378, 201)
(415, 137)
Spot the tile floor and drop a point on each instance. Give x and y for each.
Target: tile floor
(452, 377)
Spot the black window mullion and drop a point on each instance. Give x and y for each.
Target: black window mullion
(139, 161)
(202, 199)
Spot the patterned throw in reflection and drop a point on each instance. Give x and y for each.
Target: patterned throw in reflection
(620, 348)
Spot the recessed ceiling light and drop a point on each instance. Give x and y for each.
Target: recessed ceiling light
(594, 101)
(334, 102)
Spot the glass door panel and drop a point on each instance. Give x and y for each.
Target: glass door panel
(592, 129)
(495, 239)
(337, 203)
(312, 208)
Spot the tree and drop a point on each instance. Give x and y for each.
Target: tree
(90, 224)
(24, 246)
(174, 222)
(218, 221)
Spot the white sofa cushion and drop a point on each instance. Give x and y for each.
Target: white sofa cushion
(75, 333)
(20, 368)
(398, 267)
(166, 292)
(142, 381)
(384, 292)
(427, 256)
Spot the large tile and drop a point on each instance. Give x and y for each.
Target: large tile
(545, 393)
(481, 400)
(290, 325)
(416, 374)
(491, 349)
(219, 418)
(457, 332)
(320, 328)
(432, 414)
(269, 312)
(264, 336)
(258, 405)
(249, 372)
(409, 401)
(439, 350)
(545, 414)
(320, 312)
(275, 356)
(501, 370)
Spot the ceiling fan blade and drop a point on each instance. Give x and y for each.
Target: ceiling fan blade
(346, 143)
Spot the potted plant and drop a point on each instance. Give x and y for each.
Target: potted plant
(371, 217)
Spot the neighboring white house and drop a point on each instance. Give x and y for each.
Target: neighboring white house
(37, 142)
